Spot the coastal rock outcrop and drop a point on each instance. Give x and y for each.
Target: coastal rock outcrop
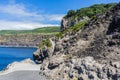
(92, 53)
(44, 52)
(84, 69)
(68, 22)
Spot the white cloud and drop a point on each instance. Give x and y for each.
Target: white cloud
(55, 17)
(25, 18)
(19, 10)
(15, 9)
(14, 25)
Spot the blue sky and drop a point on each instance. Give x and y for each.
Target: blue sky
(30, 14)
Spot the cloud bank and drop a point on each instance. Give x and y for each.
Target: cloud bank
(20, 17)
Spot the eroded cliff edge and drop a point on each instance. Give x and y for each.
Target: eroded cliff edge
(91, 53)
(22, 40)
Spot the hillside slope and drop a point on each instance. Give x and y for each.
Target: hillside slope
(44, 30)
(26, 38)
(91, 53)
(86, 13)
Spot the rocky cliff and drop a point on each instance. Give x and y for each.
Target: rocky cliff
(67, 22)
(84, 14)
(92, 53)
(22, 40)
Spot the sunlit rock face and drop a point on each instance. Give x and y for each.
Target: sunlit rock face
(44, 52)
(93, 53)
(68, 22)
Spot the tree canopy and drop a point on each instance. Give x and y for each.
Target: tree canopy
(90, 11)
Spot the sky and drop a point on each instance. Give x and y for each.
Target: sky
(31, 14)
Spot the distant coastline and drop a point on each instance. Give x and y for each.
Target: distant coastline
(13, 46)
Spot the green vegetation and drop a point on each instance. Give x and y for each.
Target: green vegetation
(44, 30)
(72, 29)
(77, 26)
(90, 11)
(70, 13)
(45, 42)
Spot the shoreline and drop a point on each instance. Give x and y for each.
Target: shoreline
(24, 65)
(28, 60)
(24, 70)
(11, 46)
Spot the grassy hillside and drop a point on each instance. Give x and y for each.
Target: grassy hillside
(44, 30)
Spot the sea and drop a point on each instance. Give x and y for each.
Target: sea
(11, 54)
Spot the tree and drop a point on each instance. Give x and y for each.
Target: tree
(70, 13)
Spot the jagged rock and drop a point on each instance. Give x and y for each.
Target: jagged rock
(93, 53)
(41, 54)
(53, 64)
(66, 23)
(58, 46)
(45, 52)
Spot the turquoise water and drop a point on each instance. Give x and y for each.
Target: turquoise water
(11, 54)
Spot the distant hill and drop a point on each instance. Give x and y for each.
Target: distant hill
(44, 30)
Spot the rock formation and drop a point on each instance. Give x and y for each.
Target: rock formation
(67, 22)
(45, 52)
(92, 53)
(25, 40)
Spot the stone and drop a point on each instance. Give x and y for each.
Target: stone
(92, 53)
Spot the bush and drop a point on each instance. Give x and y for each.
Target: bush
(72, 29)
(59, 35)
(78, 26)
(45, 42)
(70, 13)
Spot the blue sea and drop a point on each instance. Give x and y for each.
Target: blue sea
(11, 54)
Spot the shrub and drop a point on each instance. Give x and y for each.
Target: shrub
(59, 35)
(72, 29)
(70, 13)
(45, 42)
(90, 11)
(78, 26)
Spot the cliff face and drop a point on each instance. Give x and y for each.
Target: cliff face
(25, 40)
(68, 22)
(98, 39)
(84, 14)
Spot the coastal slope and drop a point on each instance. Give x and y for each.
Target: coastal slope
(84, 51)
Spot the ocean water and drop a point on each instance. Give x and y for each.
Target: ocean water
(11, 54)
